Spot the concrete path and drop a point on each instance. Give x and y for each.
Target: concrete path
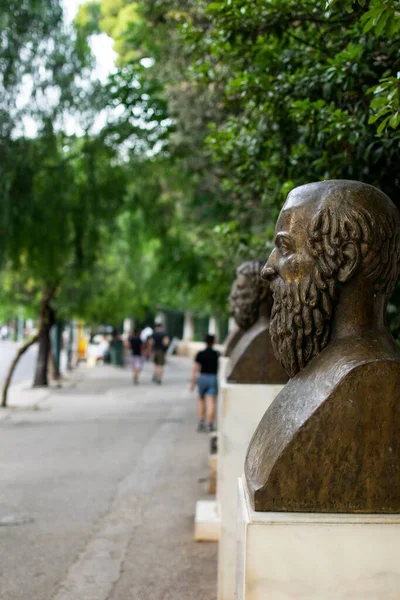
(98, 485)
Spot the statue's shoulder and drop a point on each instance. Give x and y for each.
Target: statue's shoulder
(327, 421)
(340, 359)
(342, 382)
(232, 340)
(252, 359)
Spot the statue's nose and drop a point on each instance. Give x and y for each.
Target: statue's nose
(268, 273)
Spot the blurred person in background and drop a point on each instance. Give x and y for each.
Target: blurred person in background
(117, 349)
(145, 335)
(159, 342)
(136, 347)
(205, 371)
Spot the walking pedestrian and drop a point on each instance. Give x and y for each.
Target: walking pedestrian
(159, 342)
(205, 371)
(145, 336)
(136, 346)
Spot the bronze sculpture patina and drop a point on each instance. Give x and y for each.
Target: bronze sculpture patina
(252, 359)
(330, 441)
(231, 341)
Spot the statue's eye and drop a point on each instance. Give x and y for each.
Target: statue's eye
(283, 244)
(285, 249)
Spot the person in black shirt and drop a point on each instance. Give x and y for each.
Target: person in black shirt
(205, 370)
(159, 342)
(136, 346)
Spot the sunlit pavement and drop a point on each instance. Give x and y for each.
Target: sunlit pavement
(98, 488)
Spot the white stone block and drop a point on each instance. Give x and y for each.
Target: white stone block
(206, 528)
(240, 408)
(314, 556)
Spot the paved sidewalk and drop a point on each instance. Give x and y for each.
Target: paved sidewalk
(110, 474)
(22, 397)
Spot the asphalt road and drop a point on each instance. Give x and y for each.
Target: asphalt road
(98, 490)
(26, 366)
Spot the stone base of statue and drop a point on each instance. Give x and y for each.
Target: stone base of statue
(206, 523)
(316, 555)
(240, 408)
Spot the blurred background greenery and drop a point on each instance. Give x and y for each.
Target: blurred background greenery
(149, 188)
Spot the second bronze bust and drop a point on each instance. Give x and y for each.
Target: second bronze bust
(252, 359)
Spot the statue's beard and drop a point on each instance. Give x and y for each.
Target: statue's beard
(301, 318)
(247, 314)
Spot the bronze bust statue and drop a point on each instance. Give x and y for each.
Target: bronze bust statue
(231, 341)
(330, 441)
(251, 358)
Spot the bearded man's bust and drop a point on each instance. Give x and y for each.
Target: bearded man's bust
(252, 358)
(330, 441)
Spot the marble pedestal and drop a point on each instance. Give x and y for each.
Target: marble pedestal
(240, 408)
(206, 524)
(314, 556)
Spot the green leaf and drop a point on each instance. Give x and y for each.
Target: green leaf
(380, 25)
(383, 125)
(394, 120)
(214, 6)
(378, 102)
(373, 118)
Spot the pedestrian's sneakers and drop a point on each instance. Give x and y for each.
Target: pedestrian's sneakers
(210, 427)
(201, 426)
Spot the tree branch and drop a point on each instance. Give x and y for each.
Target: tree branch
(11, 370)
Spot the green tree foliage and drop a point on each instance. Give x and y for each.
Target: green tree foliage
(310, 92)
(216, 110)
(62, 192)
(166, 118)
(249, 99)
(59, 193)
(298, 84)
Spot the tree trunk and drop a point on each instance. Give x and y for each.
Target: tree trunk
(43, 358)
(47, 321)
(56, 344)
(54, 369)
(11, 370)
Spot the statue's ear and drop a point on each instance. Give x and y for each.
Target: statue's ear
(350, 262)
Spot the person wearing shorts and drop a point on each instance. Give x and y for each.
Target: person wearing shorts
(205, 372)
(159, 343)
(136, 345)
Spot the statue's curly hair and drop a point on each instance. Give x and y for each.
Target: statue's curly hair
(252, 269)
(257, 287)
(375, 234)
